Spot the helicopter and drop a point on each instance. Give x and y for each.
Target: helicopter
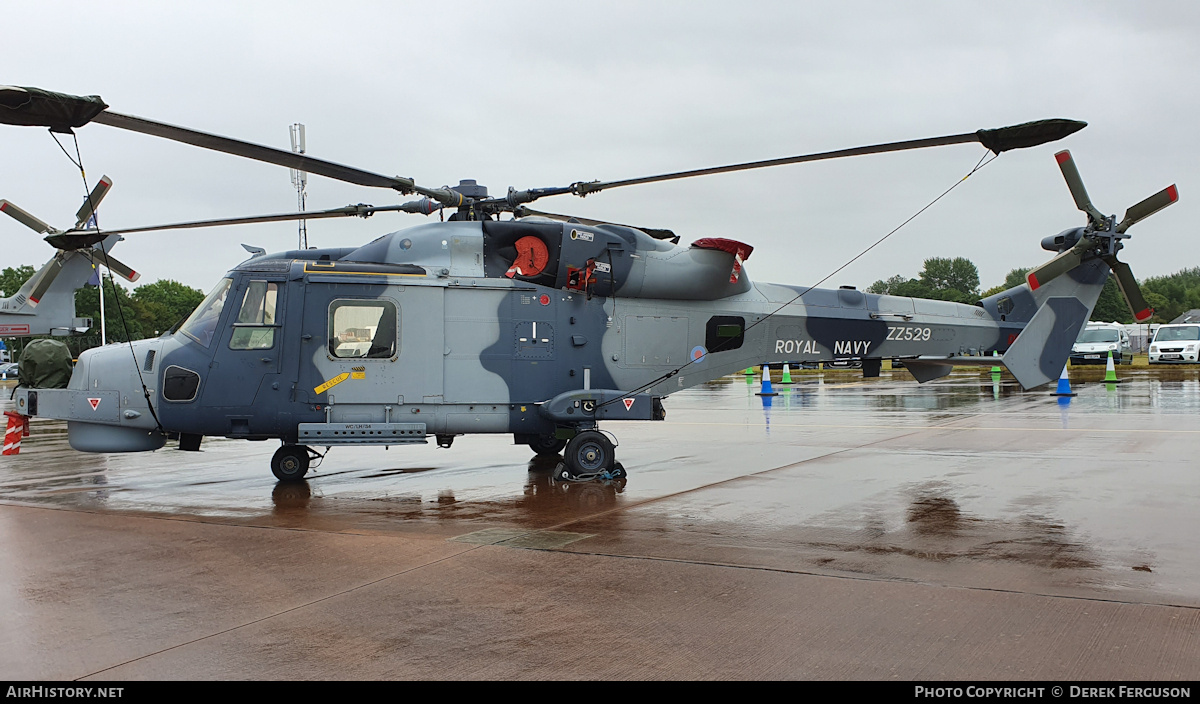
(45, 304)
(542, 326)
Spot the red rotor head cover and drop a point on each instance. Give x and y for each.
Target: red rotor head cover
(532, 257)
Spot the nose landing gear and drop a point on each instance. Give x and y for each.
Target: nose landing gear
(291, 462)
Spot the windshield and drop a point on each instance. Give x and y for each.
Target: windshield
(1099, 335)
(1182, 332)
(202, 323)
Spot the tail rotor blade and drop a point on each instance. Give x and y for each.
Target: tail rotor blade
(45, 278)
(1148, 207)
(1130, 289)
(114, 265)
(93, 201)
(1059, 265)
(1075, 182)
(24, 218)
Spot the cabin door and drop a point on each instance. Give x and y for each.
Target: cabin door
(248, 350)
(371, 348)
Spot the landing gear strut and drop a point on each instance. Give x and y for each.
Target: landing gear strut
(547, 445)
(290, 463)
(588, 455)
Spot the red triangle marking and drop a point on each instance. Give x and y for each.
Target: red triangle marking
(628, 403)
(95, 402)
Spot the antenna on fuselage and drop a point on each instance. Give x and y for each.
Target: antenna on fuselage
(300, 180)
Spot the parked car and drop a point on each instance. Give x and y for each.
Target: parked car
(8, 370)
(1175, 344)
(1097, 340)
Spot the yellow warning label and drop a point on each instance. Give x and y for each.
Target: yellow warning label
(358, 375)
(332, 383)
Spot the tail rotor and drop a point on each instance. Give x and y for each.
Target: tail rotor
(95, 251)
(1100, 238)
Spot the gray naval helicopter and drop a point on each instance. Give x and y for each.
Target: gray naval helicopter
(541, 326)
(45, 304)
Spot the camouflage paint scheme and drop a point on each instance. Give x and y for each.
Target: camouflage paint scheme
(479, 352)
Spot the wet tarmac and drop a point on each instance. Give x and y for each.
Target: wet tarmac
(852, 529)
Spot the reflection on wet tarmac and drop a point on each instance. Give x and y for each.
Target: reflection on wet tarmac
(935, 515)
(837, 473)
(545, 496)
(291, 496)
(1030, 539)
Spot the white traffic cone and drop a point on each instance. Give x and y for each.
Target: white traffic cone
(1110, 372)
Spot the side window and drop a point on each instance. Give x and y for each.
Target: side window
(363, 329)
(724, 332)
(254, 328)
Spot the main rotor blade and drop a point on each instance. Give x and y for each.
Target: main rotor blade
(36, 107)
(24, 218)
(112, 263)
(60, 112)
(1148, 207)
(1075, 182)
(257, 152)
(658, 234)
(1001, 139)
(1130, 289)
(1059, 265)
(93, 201)
(77, 239)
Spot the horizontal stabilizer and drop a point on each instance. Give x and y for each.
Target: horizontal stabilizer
(924, 370)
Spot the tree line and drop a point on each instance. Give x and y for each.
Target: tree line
(958, 280)
(148, 311)
(154, 308)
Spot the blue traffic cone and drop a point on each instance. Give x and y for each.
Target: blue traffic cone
(766, 383)
(1064, 384)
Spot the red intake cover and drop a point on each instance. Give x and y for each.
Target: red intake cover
(732, 246)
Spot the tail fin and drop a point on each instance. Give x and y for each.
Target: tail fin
(1063, 306)
(54, 312)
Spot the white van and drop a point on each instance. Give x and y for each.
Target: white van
(1097, 340)
(1176, 344)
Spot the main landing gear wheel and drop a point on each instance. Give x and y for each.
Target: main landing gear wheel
(589, 452)
(547, 445)
(290, 463)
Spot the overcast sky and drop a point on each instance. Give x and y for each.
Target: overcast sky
(533, 94)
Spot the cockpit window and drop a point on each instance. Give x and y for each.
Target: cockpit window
(362, 328)
(255, 326)
(202, 323)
